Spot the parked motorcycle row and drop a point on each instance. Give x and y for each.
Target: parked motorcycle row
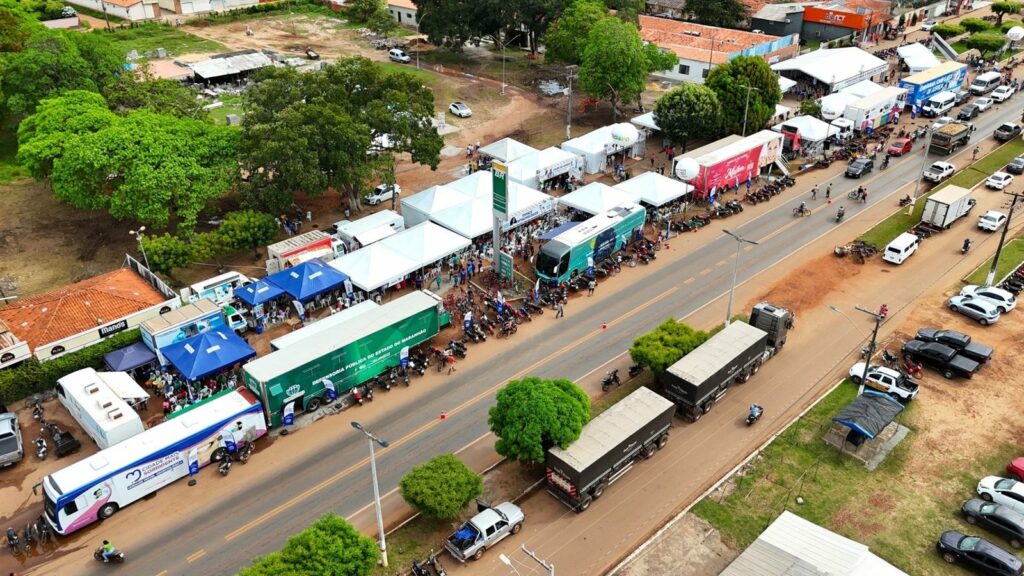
(36, 537)
(417, 364)
(429, 567)
(768, 191)
(1014, 282)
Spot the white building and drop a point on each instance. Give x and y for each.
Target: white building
(404, 12)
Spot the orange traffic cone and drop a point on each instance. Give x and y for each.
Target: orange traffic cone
(604, 325)
(443, 415)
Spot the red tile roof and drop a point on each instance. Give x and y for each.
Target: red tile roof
(407, 4)
(64, 312)
(697, 42)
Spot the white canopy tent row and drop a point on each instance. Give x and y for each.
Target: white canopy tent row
(538, 167)
(917, 57)
(506, 150)
(595, 147)
(835, 68)
(598, 198)
(417, 208)
(385, 263)
(654, 189)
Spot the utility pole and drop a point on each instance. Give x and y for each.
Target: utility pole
(1002, 239)
(570, 75)
(746, 107)
(376, 491)
(740, 241)
(924, 164)
(871, 347)
(549, 567)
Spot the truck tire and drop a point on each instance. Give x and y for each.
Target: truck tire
(662, 440)
(743, 376)
(598, 490)
(584, 503)
(948, 374)
(647, 450)
(707, 406)
(107, 510)
(218, 455)
(755, 367)
(313, 404)
(479, 553)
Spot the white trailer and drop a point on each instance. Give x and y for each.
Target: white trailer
(947, 206)
(99, 402)
(876, 109)
(302, 248)
(370, 229)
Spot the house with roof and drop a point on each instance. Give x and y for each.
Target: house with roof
(700, 48)
(404, 12)
(841, 18)
(667, 8)
(133, 10)
(79, 315)
(781, 19)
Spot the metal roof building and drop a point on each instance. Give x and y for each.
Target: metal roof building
(230, 65)
(792, 546)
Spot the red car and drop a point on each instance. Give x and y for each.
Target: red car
(1015, 469)
(901, 146)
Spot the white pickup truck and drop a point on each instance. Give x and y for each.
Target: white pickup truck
(938, 172)
(887, 380)
(484, 530)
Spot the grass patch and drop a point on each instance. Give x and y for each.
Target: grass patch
(9, 168)
(1011, 257)
(150, 36)
(98, 14)
(232, 105)
(900, 222)
(413, 541)
(885, 509)
(421, 75)
(645, 378)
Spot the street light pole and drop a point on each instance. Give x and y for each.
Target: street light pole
(376, 491)
(571, 75)
(142, 248)
(549, 567)
(746, 107)
(924, 164)
(1002, 239)
(503, 44)
(505, 560)
(740, 241)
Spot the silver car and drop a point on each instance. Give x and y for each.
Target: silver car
(983, 311)
(1003, 300)
(11, 449)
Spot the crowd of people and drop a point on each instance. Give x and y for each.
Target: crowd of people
(177, 393)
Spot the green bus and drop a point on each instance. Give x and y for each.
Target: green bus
(572, 252)
(346, 355)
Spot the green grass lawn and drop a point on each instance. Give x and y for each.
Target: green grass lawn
(232, 105)
(890, 509)
(1011, 257)
(900, 222)
(150, 36)
(9, 168)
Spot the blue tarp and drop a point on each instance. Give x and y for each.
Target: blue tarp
(870, 413)
(551, 234)
(207, 353)
(305, 281)
(260, 291)
(129, 357)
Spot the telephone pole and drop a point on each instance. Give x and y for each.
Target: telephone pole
(570, 76)
(1002, 240)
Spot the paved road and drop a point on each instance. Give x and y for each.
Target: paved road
(324, 468)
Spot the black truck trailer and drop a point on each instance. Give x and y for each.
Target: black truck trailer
(702, 377)
(634, 428)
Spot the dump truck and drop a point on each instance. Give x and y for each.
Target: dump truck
(701, 378)
(950, 137)
(946, 206)
(345, 357)
(633, 429)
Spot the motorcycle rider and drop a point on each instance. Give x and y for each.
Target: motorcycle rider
(840, 214)
(966, 246)
(803, 209)
(755, 411)
(107, 550)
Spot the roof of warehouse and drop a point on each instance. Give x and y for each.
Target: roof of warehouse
(231, 63)
(698, 42)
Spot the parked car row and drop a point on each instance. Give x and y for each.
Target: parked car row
(986, 304)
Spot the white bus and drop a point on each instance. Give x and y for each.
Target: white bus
(98, 486)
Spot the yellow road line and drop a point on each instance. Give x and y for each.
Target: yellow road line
(331, 480)
(195, 556)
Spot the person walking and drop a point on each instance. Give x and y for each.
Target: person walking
(974, 153)
(828, 191)
(591, 286)
(814, 192)
(559, 310)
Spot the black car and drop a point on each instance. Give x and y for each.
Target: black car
(978, 554)
(860, 167)
(999, 519)
(1016, 166)
(1007, 131)
(968, 112)
(961, 97)
(958, 341)
(941, 357)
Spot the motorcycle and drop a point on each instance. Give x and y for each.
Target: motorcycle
(362, 394)
(419, 569)
(13, 542)
(30, 535)
(966, 246)
(225, 465)
(906, 200)
(436, 564)
(37, 412)
(117, 556)
(635, 369)
(41, 448)
(839, 215)
(755, 414)
(609, 379)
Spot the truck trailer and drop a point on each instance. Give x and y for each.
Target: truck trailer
(947, 76)
(302, 248)
(946, 206)
(346, 357)
(589, 242)
(609, 445)
(701, 378)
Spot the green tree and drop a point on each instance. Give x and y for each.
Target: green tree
(442, 487)
(362, 10)
(730, 82)
(567, 37)
(208, 246)
(324, 130)
(248, 230)
(1003, 8)
(627, 10)
(616, 63)
(986, 42)
(948, 30)
(454, 23)
(166, 253)
(974, 25)
(532, 415)
(1007, 24)
(329, 546)
(56, 123)
(15, 28)
(49, 64)
(153, 168)
(143, 91)
(811, 108)
(722, 13)
(913, 19)
(688, 111)
(665, 345)
(381, 22)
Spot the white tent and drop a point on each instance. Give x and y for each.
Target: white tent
(836, 67)
(785, 84)
(654, 189)
(506, 150)
(418, 207)
(536, 167)
(475, 217)
(476, 185)
(647, 121)
(810, 128)
(469, 219)
(917, 57)
(596, 146)
(781, 112)
(597, 198)
(862, 89)
(426, 243)
(375, 266)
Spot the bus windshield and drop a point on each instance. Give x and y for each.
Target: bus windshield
(547, 264)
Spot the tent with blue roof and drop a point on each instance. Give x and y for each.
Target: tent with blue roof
(207, 353)
(260, 291)
(307, 280)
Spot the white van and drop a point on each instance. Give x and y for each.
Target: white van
(399, 55)
(901, 248)
(939, 104)
(985, 83)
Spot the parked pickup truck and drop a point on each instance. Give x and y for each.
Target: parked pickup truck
(887, 380)
(484, 530)
(1006, 131)
(11, 449)
(958, 341)
(941, 357)
(938, 172)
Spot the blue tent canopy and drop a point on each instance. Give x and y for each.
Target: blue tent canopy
(207, 353)
(869, 413)
(305, 281)
(260, 291)
(555, 232)
(129, 357)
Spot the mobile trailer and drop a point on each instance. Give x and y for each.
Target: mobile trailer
(947, 76)
(588, 243)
